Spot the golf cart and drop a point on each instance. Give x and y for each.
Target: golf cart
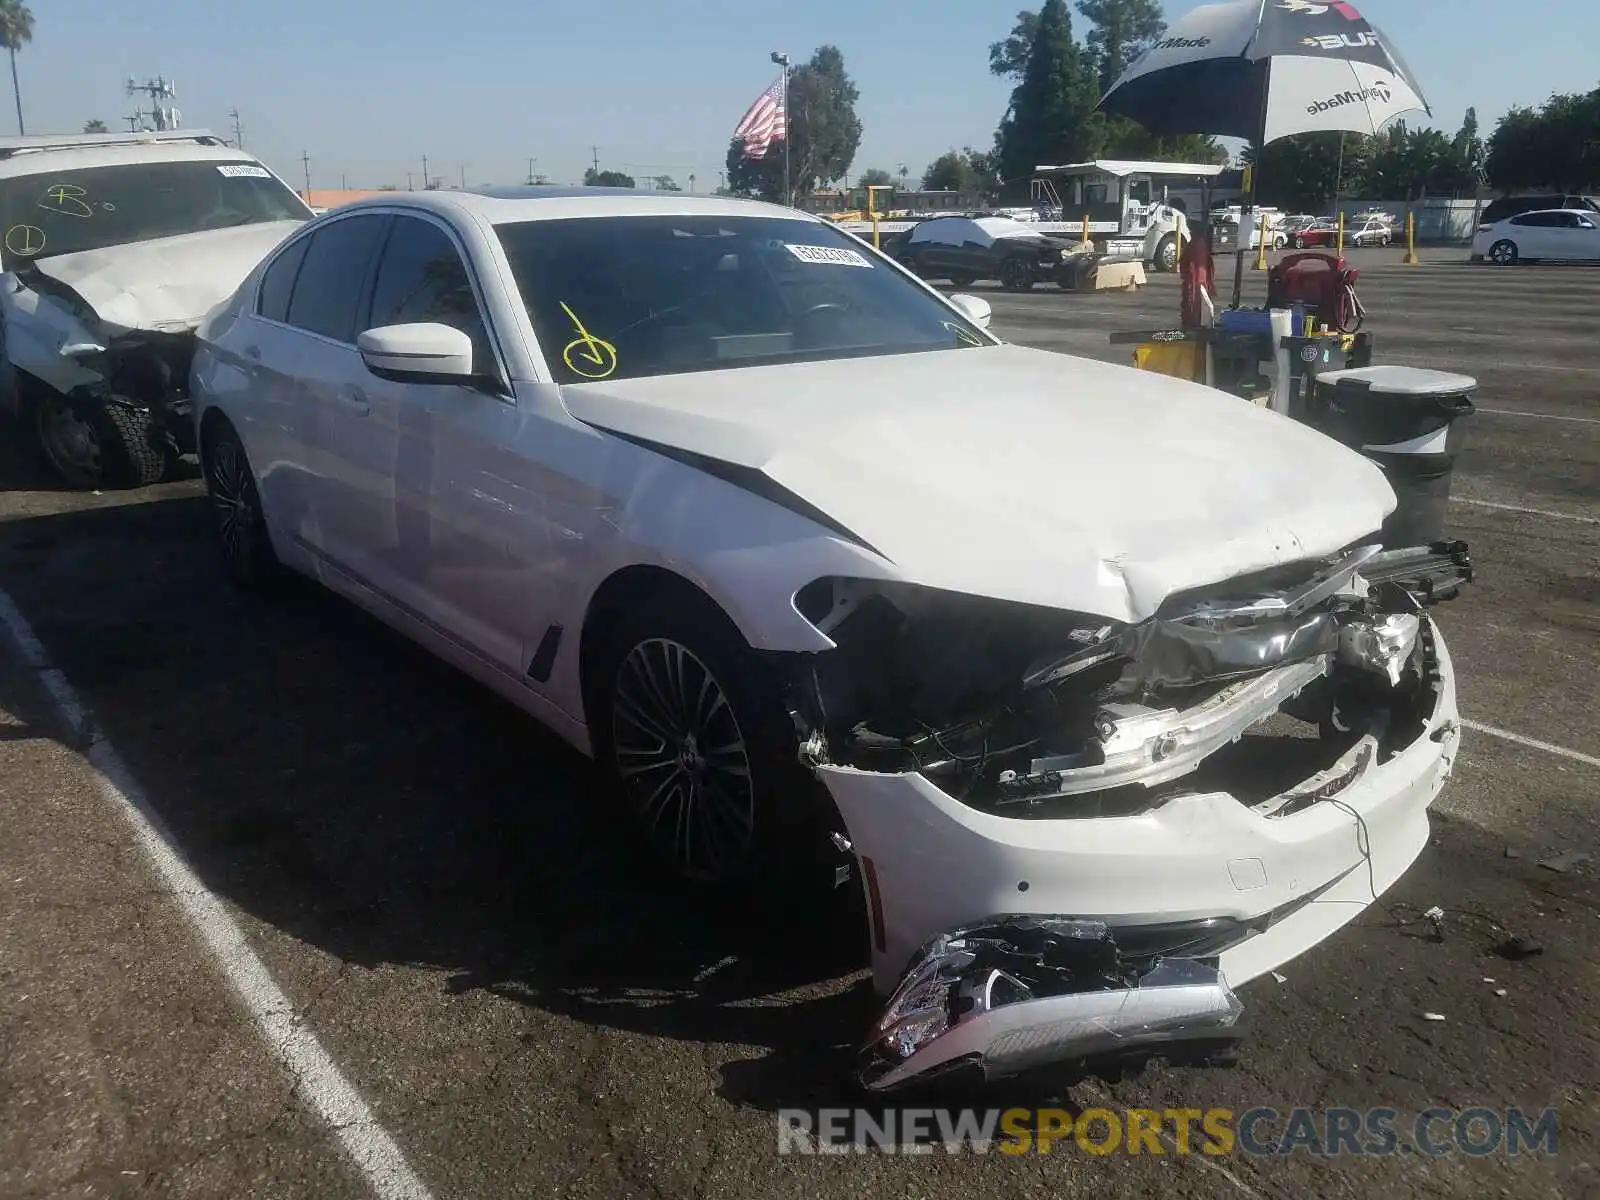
(115, 246)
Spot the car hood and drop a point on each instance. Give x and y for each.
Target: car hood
(168, 283)
(1024, 475)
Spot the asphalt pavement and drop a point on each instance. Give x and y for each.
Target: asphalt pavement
(426, 877)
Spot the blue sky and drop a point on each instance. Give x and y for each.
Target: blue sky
(367, 88)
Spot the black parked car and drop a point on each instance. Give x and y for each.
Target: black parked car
(966, 249)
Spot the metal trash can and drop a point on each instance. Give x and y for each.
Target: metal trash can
(1410, 422)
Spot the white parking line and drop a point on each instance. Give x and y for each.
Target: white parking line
(1533, 743)
(316, 1076)
(1512, 412)
(1532, 512)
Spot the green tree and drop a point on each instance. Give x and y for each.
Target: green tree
(824, 133)
(615, 179)
(1556, 145)
(1049, 117)
(16, 31)
(1119, 31)
(1302, 173)
(95, 126)
(950, 172)
(874, 177)
(1009, 59)
(1122, 31)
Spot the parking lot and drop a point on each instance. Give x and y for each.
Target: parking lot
(425, 877)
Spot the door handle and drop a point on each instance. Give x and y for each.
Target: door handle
(356, 400)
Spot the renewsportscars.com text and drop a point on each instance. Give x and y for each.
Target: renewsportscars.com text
(1257, 1132)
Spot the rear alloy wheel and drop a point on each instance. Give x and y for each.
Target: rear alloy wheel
(1299, 243)
(99, 445)
(1504, 253)
(236, 511)
(1016, 275)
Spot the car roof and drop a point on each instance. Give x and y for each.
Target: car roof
(40, 156)
(500, 206)
(1534, 212)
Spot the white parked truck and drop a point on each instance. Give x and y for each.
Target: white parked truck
(1125, 203)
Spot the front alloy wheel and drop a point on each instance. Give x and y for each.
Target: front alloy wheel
(681, 755)
(1503, 253)
(236, 511)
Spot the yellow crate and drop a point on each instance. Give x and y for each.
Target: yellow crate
(1183, 360)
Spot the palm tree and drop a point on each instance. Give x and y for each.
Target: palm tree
(95, 126)
(16, 31)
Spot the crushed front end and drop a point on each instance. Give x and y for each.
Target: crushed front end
(1077, 837)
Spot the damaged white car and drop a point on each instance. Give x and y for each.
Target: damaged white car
(1097, 684)
(115, 246)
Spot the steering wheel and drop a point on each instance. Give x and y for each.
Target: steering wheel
(825, 306)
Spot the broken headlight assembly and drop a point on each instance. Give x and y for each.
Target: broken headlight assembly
(1015, 708)
(1016, 993)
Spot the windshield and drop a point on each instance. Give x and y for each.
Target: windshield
(91, 208)
(624, 297)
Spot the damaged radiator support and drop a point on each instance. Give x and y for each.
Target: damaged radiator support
(1142, 704)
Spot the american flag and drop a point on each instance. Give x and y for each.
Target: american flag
(765, 123)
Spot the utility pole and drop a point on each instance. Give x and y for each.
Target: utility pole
(344, 182)
(463, 167)
(305, 161)
(424, 172)
(531, 161)
(238, 129)
(409, 188)
(595, 151)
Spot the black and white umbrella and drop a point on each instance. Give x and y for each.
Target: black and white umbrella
(1267, 69)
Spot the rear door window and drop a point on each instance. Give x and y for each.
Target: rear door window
(278, 283)
(333, 277)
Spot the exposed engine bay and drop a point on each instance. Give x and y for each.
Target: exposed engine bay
(1031, 712)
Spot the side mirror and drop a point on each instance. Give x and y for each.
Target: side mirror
(420, 353)
(975, 309)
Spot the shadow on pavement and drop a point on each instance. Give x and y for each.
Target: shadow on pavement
(344, 788)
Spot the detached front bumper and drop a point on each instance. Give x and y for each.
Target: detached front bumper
(1196, 897)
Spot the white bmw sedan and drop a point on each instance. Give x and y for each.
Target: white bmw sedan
(1071, 669)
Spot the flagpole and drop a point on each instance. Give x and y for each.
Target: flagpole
(783, 61)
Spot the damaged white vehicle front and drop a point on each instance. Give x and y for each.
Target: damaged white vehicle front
(1089, 794)
(115, 247)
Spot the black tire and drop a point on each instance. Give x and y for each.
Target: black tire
(1299, 243)
(102, 445)
(962, 281)
(236, 513)
(1016, 275)
(1166, 260)
(763, 835)
(1504, 253)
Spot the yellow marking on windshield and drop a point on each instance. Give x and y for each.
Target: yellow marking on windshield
(24, 240)
(587, 355)
(66, 199)
(965, 335)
